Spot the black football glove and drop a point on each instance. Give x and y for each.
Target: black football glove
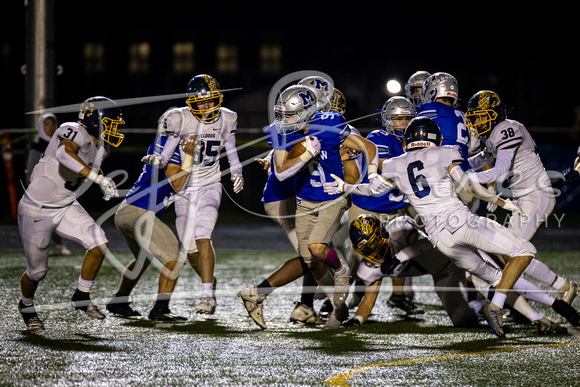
(389, 264)
(353, 322)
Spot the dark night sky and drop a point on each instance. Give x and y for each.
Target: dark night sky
(528, 60)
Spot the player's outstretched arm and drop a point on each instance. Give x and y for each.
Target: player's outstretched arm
(468, 182)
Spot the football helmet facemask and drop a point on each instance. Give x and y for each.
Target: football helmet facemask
(368, 238)
(420, 133)
(414, 85)
(338, 102)
(440, 85)
(401, 109)
(322, 89)
(295, 108)
(484, 111)
(102, 117)
(203, 89)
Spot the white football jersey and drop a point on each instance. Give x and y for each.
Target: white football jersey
(529, 173)
(423, 176)
(213, 136)
(54, 185)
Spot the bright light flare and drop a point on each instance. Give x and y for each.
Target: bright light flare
(393, 87)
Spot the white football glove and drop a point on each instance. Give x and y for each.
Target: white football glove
(334, 188)
(491, 207)
(238, 181)
(153, 160)
(512, 206)
(312, 148)
(107, 185)
(378, 183)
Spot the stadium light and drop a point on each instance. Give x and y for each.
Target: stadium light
(393, 87)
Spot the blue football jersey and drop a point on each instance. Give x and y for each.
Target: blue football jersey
(276, 190)
(331, 130)
(452, 124)
(152, 187)
(388, 146)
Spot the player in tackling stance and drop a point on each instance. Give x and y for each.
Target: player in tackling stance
(426, 174)
(69, 166)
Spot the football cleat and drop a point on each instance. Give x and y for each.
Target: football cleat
(546, 327)
(254, 304)
(206, 305)
(571, 293)
(492, 314)
(567, 311)
(404, 303)
(338, 315)
(326, 309)
(302, 315)
(33, 323)
(81, 301)
(121, 308)
(164, 314)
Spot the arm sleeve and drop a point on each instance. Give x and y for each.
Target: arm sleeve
(67, 160)
(232, 154)
(288, 172)
(465, 183)
(478, 160)
(502, 165)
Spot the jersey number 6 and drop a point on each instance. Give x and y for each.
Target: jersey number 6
(418, 182)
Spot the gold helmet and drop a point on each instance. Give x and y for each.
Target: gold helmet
(338, 102)
(484, 111)
(202, 89)
(368, 238)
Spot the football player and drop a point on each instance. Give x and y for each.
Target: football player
(396, 114)
(197, 206)
(138, 220)
(427, 173)
(439, 94)
(280, 205)
(414, 85)
(317, 213)
(378, 245)
(70, 164)
(510, 148)
(47, 125)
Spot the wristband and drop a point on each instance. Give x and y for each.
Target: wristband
(187, 163)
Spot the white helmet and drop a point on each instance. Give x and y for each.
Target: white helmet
(440, 85)
(322, 89)
(296, 107)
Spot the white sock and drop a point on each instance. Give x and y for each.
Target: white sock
(26, 301)
(498, 299)
(206, 289)
(522, 306)
(84, 285)
(560, 283)
(532, 292)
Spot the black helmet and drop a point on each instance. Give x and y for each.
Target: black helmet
(102, 117)
(484, 111)
(422, 132)
(368, 238)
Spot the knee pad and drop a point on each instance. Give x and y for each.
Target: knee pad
(36, 275)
